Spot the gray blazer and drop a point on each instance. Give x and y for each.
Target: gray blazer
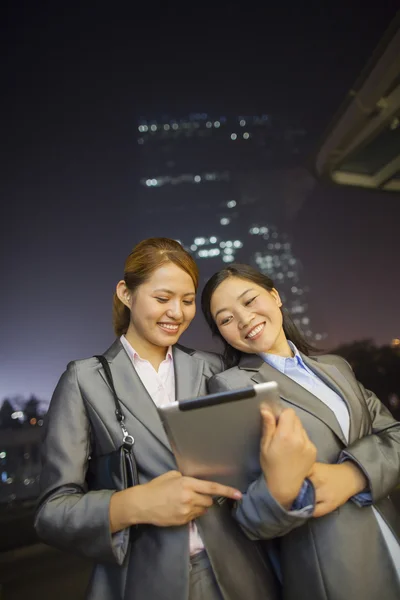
(342, 555)
(73, 518)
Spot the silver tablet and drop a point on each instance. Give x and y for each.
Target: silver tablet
(217, 437)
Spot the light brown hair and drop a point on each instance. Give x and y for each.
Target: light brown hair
(145, 258)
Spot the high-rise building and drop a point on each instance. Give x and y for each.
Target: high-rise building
(225, 187)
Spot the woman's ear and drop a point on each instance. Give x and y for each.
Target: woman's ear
(275, 294)
(123, 293)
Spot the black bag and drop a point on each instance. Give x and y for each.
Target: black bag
(116, 470)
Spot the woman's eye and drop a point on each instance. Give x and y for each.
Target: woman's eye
(188, 302)
(226, 321)
(250, 301)
(163, 300)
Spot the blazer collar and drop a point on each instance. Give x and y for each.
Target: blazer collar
(133, 395)
(188, 373)
(347, 389)
(292, 392)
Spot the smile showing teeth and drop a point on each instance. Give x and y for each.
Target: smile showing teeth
(169, 326)
(255, 331)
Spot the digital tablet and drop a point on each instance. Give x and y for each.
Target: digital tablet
(217, 437)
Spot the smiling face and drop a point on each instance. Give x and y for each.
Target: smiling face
(249, 317)
(161, 308)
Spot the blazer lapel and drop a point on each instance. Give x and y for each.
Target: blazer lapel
(331, 375)
(132, 393)
(188, 374)
(292, 392)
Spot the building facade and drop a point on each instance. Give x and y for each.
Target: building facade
(226, 187)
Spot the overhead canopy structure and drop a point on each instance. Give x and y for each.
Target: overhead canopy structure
(362, 145)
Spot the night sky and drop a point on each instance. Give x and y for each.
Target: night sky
(74, 85)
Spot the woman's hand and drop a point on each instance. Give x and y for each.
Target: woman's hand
(286, 455)
(335, 484)
(172, 499)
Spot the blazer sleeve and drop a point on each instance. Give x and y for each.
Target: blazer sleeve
(258, 513)
(68, 516)
(377, 454)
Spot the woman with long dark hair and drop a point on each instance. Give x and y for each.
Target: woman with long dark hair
(350, 547)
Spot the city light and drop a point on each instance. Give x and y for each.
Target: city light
(18, 414)
(224, 221)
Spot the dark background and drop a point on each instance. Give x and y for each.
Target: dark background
(76, 79)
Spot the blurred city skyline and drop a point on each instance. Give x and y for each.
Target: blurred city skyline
(76, 90)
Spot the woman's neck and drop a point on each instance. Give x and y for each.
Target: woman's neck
(146, 350)
(281, 347)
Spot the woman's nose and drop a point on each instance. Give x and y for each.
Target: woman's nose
(245, 320)
(175, 311)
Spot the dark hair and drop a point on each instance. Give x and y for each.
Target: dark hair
(231, 355)
(145, 258)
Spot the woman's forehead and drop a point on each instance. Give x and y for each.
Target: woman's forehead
(170, 275)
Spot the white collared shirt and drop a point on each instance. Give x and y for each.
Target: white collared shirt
(160, 386)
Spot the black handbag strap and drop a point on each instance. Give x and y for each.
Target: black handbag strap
(128, 440)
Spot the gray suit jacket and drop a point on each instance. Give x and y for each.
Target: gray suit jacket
(343, 554)
(73, 518)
